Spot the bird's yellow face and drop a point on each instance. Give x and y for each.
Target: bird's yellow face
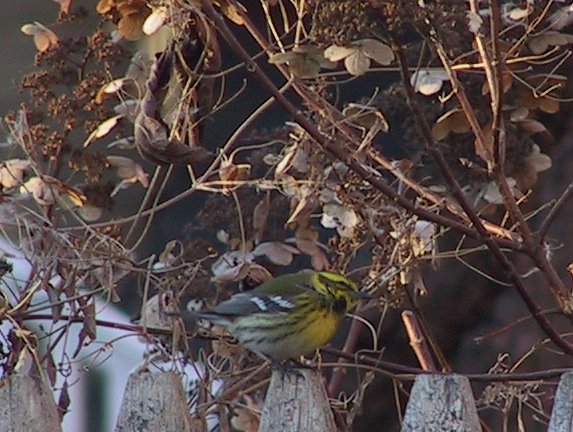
(343, 290)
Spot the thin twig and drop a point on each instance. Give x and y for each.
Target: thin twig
(554, 212)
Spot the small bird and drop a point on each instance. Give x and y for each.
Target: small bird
(288, 316)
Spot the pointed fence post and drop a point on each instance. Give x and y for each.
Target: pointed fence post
(297, 402)
(27, 404)
(562, 414)
(441, 403)
(153, 402)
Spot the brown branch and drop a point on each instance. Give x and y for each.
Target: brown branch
(418, 341)
(349, 347)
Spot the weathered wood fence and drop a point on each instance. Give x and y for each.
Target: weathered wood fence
(156, 402)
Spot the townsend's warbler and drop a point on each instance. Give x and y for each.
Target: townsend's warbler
(288, 316)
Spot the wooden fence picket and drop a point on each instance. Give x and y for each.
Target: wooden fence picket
(294, 403)
(297, 402)
(27, 404)
(153, 402)
(562, 413)
(441, 403)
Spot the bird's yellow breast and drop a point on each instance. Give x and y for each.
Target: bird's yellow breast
(320, 331)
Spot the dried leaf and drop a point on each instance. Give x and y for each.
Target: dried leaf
(318, 258)
(12, 172)
(103, 129)
(336, 53)
(109, 88)
(357, 56)
(131, 26)
(129, 170)
(90, 213)
(277, 252)
(260, 216)
(304, 205)
(44, 38)
(475, 21)
(40, 191)
(231, 11)
(65, 6)
(305, 61)
(89, 321)
(357, 63)
(50, 367)
(377, 51)
(492, 194)
(366, 116)
(453, 121)
(64, 399)
(561, 18)
(231, 172)
(540, 44)
(423, 237)
(429, 81)
(155, 20)
(344, 219)
(232, 266)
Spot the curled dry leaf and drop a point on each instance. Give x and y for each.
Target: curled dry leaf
(453, 121)
(44, 38)
(530, 126)
(366, 117)
(318, 258)
(155, 20)
(103, 129)
(358, 55)
(12, 172)
(491, 193)
(128, 170)
(260, 216)
(40, 191)
(303, 203)
(561, 18)
(133, 14)
(65, 6)
(109, 88)
(475, 21)
(344, 219)
(232, 266)
(423, 237)
(294, 157)
(533, 164)
(541, 43)
(277, 252)
(541, 93)
(233, 11)
(306, 240)
(429, 81)
(90, 213)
